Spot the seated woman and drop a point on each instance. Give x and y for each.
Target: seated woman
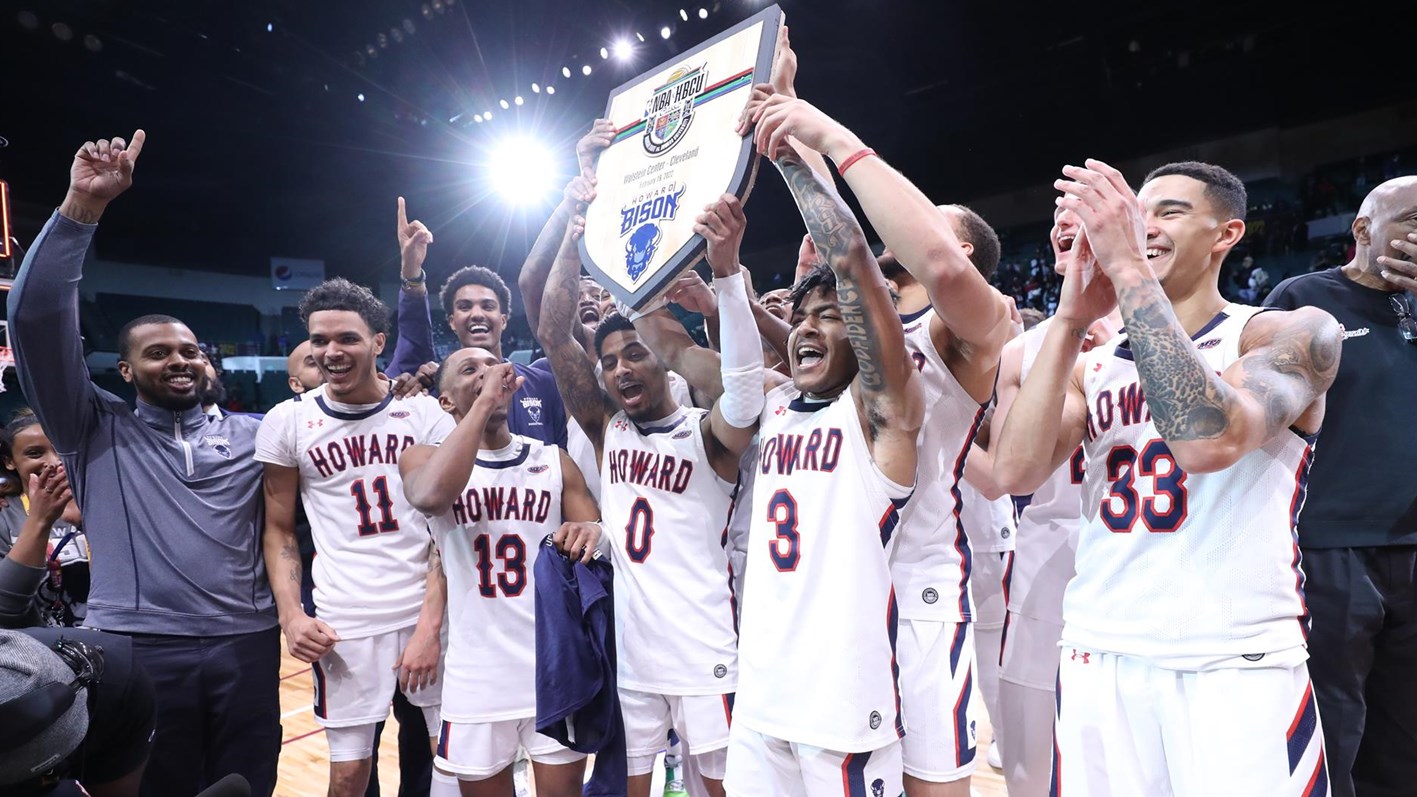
(44, 575)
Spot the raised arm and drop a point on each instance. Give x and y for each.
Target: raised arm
(574, 372)
(415, 344)
(44, 301)
(1209, 420)
(434, 476)
(537, 268)
(666, 336)
(734, 418)
(920, 236)
(888, 393)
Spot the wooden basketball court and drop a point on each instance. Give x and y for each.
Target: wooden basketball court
(304, 757)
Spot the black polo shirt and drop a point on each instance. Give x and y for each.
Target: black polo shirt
(1363, 483)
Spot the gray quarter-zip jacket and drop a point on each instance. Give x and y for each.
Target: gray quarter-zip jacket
(171, 501)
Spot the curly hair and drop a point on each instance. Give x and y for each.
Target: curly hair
(341, 294)
(821, 276)
(475, 275)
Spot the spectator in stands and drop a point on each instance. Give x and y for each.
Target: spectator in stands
(1358, 527)
(46, 555)
(171, 500)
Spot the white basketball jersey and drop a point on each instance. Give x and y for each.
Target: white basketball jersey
(489, 541)
(1047, 527)
(371, 547)
(932, 557)
(990, 525)
(1183, 567)
(819, 626)
(666, 512)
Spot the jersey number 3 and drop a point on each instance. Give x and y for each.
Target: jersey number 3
(1164, 506)
(785, 548)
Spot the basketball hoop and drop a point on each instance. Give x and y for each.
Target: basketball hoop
(7, 360)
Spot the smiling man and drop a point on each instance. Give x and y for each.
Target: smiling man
(477, 303)
(170, 499)
(379, 595)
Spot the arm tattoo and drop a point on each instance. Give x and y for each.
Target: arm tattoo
(841, 244)
(575, 376)
(1286, 375)
(290, 554)
(1188, 401)
(539, 262)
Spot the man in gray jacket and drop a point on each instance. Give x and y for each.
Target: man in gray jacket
(171, 500)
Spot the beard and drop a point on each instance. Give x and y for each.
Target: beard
(155, 393)
(212, 392)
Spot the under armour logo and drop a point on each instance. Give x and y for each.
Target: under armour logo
(780, 410)
(1096, 367)
(313, 424)
(622, 424)
(1085, 656)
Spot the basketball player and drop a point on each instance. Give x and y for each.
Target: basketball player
(379, 600)
(491, 497)
(667, 486)
(1184, 627)
(955, 325)
(778, 302)
(1041, 566)
(818, 709)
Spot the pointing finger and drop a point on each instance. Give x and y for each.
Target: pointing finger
(403, 215)
(135, 146)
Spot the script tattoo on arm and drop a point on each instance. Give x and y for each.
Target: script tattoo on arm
(842, 245)
(290, 554)
(1188, 400)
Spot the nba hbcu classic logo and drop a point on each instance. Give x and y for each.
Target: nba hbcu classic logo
(670, 109)
(640, 220)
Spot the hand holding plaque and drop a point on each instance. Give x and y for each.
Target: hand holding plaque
(674, 148)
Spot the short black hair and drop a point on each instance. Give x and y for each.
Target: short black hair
(21, 418)
(125, 335)
(475, 275)
(341, 294)
(1224, 190)
(974, 230)
(612, 323)
(821, 276)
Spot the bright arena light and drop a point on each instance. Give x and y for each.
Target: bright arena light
(505, 105)
(518, 100)
(487, 115)
(477, 117)
(664, 32)
(585, 70)
(703, 13)
(565, 71)
(623, 50)
(521, 171)
(684, 15)
(536, 88)
(604, 53)
(550, 89)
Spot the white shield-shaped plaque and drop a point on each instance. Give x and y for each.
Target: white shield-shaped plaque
(675, 151)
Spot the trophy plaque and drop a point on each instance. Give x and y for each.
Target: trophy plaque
(675, 150)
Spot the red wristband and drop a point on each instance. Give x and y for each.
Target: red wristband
(847, 164)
